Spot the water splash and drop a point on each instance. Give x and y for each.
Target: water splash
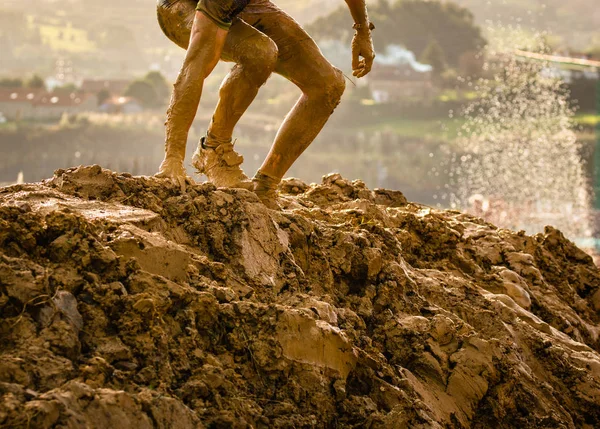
(519, 163)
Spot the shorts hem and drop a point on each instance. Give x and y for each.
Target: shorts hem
(221, 24)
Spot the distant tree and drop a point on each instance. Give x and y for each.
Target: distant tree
(412, 24)
(471, 64)
(102, 96)
(160, 84)
(35, 82)
(434, 55)
(8, 82)
(143, 91)
(67, 88)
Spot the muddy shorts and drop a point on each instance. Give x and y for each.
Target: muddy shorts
(222, 12)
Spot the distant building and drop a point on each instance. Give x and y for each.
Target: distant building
(125, 105)
(53, 106)
(116, 87)
(397, 77)
(17, 103)
(24, 103)
(397, 83)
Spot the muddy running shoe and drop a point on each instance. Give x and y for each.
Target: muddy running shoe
(221, 164)
(265, 187)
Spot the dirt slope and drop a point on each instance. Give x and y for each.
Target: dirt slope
(124, 304)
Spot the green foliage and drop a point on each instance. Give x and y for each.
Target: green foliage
(413, 24)
(36, 82)
(67, 88)
(434, 55)
(160, 85)
(144, 92)
(152, 90)
(8, 82)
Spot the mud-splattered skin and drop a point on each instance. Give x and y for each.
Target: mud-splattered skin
(262, 39)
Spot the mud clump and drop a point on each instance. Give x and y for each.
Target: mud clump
(124, 303)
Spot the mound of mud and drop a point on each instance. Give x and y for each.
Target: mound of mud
(124, 304)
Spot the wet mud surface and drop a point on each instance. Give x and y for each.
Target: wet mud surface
(126, 304)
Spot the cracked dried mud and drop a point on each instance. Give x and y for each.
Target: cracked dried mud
(126, 304)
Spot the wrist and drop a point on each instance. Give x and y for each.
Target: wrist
(363, 27)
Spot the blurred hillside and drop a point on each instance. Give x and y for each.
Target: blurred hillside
(109, 38)
(114, 38)
(575, 22)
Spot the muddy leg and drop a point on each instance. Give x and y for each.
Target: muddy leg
(321, 93)
(203, 53)
(254, 53)
(301, 61)
(255, 56)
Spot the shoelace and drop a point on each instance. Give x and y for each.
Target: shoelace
(226, 158)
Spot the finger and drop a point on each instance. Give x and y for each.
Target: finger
(181, 180)
(355, 59)
(359, 68)
(365, 70)
(369, 62)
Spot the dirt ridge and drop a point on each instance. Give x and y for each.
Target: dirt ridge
(124, 303)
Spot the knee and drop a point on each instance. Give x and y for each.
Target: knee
(337, 86)
(330, 89)
(259, 60)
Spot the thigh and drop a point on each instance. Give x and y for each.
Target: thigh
(300, 59)
(245, 44)
(243, 41)
(176, 18)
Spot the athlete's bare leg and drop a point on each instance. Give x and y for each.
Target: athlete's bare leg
(255, 56)
(205, 46)
(280, 45)
(297, 58)
(300, 61)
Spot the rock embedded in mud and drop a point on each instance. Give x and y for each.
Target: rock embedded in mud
(125, 303)
(516, 287)
(315, 343)
(154, 254)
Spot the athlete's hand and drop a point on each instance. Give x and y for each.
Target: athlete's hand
(174, 170)
(363, 52)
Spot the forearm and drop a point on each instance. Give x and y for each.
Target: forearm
(182, 110)
(358, 9)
